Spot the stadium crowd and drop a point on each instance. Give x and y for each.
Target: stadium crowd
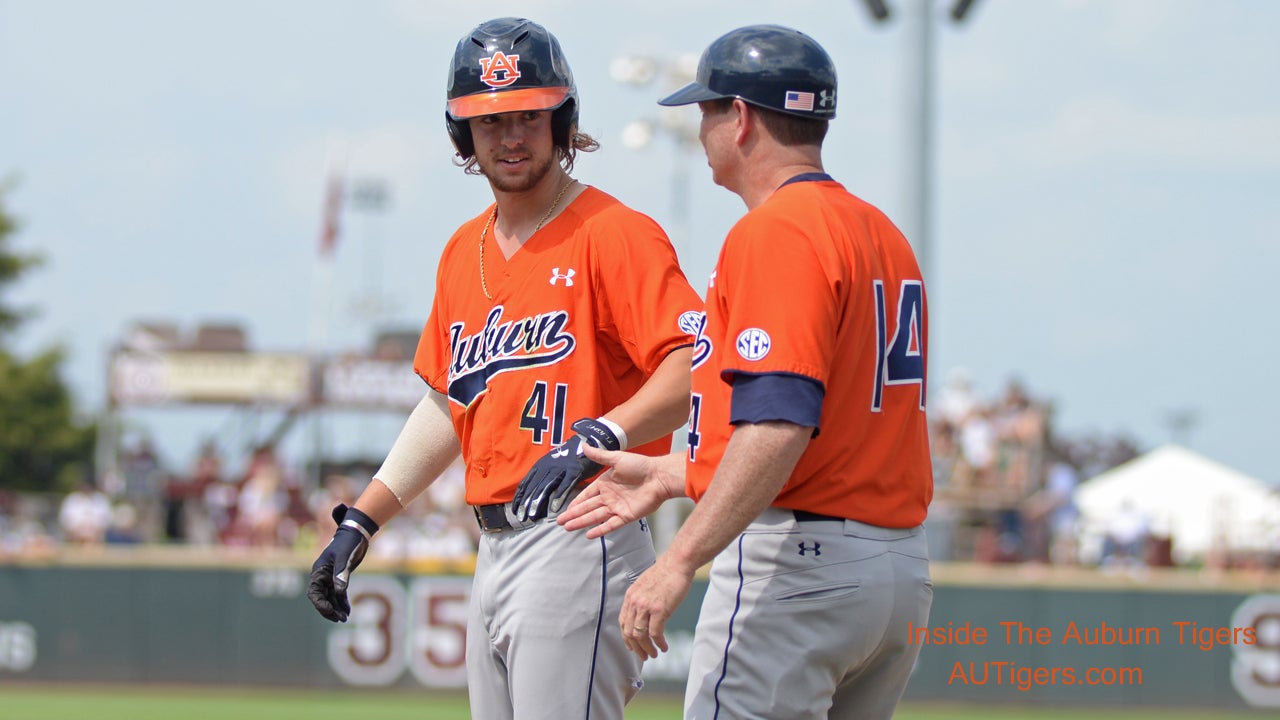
(267, 504)
(1003, 494)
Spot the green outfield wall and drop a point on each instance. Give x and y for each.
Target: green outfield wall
(1088, 641)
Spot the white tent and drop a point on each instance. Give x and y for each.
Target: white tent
(1199, 503)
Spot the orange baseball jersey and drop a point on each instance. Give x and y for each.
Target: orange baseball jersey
(581, 316)
(816, 283)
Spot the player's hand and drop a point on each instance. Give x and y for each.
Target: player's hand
(331, 572)
(633, 487)
(550, 479)
(650, 602)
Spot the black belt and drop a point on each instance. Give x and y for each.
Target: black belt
(492, 518)
(806, 516)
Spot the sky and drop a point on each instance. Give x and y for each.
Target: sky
(1104, 211)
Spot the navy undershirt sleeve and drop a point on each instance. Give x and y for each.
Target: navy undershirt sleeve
(776, 397)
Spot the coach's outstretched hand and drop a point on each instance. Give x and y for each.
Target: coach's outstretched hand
(634, 486)
(551, 478)
(331, 572)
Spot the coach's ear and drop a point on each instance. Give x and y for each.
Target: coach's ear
(744, 120)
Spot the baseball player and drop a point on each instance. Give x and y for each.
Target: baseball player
(808, 452)
(557, 323)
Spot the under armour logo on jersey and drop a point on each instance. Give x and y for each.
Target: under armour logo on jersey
(827, 98)
(753, 344)
(500, 70)
(567, 277)
(815, 549)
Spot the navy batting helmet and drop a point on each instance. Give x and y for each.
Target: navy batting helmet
(509, 65)
(769, 66)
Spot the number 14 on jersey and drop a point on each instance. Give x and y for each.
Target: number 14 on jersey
(900, 360)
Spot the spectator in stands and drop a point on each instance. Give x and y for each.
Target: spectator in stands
(956, 400)
(1019, 426)
(22, 535)
(140, 464)
(1051, 514)
(123, 529)
(199, 522)
(221, 499)
(978, 447)
(1126, 539)
(335, 489)
(988, 459)
(177, 491)
(450, 521)
(143, 476)
(85, 515)
(421, 533)
(447, 537)
(263, 499)
(12, 540)
(945, 449)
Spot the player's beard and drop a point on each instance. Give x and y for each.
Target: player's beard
(523, 183)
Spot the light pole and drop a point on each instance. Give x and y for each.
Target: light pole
(371, 197)
(919, 62)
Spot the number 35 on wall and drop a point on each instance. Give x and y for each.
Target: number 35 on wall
(373, 648)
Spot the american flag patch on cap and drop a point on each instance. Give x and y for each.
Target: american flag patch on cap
(798, 101)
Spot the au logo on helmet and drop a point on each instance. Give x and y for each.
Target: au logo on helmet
(500, 70)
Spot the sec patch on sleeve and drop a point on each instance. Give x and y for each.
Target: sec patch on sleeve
(753, 344)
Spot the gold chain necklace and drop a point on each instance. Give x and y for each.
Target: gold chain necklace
(487, 223)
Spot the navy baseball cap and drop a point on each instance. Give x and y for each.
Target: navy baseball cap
(770, 66)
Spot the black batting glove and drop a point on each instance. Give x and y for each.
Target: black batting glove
(550, 479)
(331, 572)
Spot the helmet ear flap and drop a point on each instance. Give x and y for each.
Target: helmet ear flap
(563, 119)
(460, 134)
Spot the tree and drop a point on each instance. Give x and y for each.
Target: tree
(43, 446)
(12, 265)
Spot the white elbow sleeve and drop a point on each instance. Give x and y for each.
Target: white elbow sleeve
(426, 446)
